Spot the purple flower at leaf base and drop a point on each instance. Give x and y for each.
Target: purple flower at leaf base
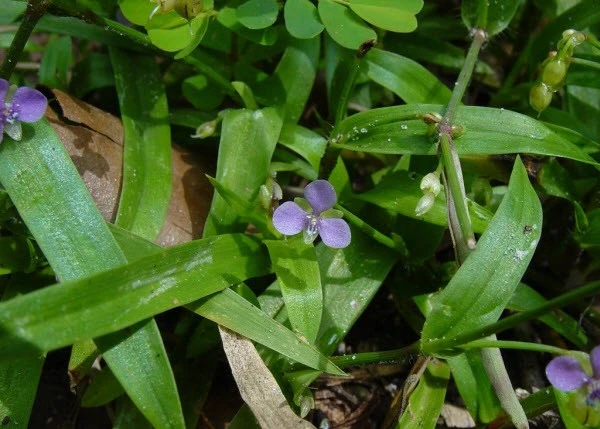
(566, 373)
(23, 105)
(314, 216)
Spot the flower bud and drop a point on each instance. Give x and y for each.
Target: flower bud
(482, 191)
(425, 204)
(457, 130)
(554, 73)
(431, 183)
(187, 9)
(205, 130)
(540, 96)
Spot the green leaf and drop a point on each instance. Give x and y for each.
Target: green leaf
(305, 142)
(228, 18)
(590, 237)
(425, 403)
(186, 36)
(492, 16)
(483, 285)
(474, 386)
(302, 19)
(117, 298)
(248, 139)
(60, 213)
(201, 93)
(56, 63)
(197, 36)
(526, 298)
(409, 80)
(234, 312)
(400, 192)
(146, 187)
(344, 26)
(297, 270)
(106, 31)
(92, 72)
(399, 130)
(387, 15)
(103, 388)
(289, 87)
(257, 14)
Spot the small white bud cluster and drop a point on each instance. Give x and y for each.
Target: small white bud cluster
(431, 187)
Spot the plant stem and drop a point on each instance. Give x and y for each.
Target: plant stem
(372, 232)
(35, 10)
(586, 291)
(459, 219)
(593, 41)
(460, 222)
(479, 37)
(515, 345)
(389, 356)
(587, 63)
(496, 371)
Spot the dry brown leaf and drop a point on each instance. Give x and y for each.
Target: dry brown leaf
(257, 385)
(94, 139)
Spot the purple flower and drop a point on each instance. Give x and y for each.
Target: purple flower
(314, 215)
(24, 105)
(566, 374)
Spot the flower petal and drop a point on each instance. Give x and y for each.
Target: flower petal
(320, 195)
(566, 374)
(4, 85)
(289, 218)
(334, 232)
(595, 361)
(29, 103)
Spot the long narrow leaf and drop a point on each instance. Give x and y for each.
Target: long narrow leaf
(481, 288)
(401, 130)
(146, 187)
(120, 297)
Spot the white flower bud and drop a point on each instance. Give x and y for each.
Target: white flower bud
(425, 204)
(431, 183)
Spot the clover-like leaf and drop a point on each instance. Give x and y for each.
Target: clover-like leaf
(393, 16)
(344, 26)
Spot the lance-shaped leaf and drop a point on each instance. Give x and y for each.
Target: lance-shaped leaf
(111, 300)
(295, 264)
(483, 285)
(146, 187)
(488, 131)
(60, 213)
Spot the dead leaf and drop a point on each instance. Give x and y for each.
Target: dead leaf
(257, 385)
(94, 139)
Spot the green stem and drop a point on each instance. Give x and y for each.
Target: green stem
(479, 37)
(372, 232)
(586, 291)
(514, 345)
(35, 10)
(496, 371)
(459, 219)
(593, 41)
(389, 356)
(587, 63)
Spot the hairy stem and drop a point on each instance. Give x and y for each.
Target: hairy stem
(35, 10)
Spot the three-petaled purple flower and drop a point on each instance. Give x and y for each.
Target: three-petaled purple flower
(25, 105)
(314, 216)
(566, 374)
